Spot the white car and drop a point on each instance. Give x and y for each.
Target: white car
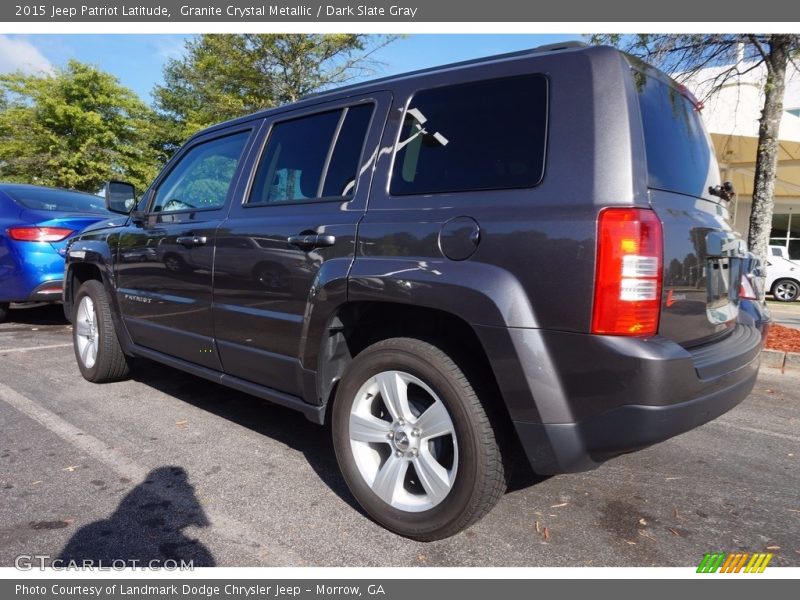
(783, 275)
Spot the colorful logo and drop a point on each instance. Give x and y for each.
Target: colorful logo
(734, 562)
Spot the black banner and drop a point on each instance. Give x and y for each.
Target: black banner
(448, 11)
(731, 588)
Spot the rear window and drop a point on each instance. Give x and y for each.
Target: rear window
(313, 157)
(475, 136)
(56, 200)
(679, 153)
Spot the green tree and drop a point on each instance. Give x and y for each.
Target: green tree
(226, 76)
(74, 128)
(732, 56)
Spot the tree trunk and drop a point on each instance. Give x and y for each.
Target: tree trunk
(767, 157)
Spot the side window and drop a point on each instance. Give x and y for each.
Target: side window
(476, 136)
(340, 179)
(312, 157)
(202, 178)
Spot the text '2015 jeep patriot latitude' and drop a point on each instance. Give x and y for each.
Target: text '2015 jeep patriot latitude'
(522, 250)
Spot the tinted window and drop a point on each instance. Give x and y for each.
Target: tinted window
(780, 226)
(55, 200)
(475, 136)
(203, 176)
(679, 154)
(292, 163)
(340, 179)
(312, 157)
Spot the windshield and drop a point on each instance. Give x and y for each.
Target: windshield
(56, 200)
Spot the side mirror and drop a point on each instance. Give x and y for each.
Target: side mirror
(120, 197)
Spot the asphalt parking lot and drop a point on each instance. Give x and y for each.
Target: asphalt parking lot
(170, 466)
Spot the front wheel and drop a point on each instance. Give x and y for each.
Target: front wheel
(786, 290)
(97, 350)
(414, 442)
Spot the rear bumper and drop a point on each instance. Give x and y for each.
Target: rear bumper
(48, 291)
(590, 398)
(27, 270)
(568, 447)
(31, 289)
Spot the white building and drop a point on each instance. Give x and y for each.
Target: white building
(731, 116)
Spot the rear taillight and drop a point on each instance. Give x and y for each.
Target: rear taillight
(746, 289)
(39, 234)
(627, 296)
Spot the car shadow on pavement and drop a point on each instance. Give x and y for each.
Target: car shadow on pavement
(147, 527)
(36, 314)
(279, 423)
(265, 418)
(522, 476)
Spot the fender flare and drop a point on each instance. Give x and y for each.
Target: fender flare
(98, 254)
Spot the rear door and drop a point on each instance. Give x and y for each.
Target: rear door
(289, 241)
(165, 262)
(702, 253)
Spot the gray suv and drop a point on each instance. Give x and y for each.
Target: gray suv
(529, 251)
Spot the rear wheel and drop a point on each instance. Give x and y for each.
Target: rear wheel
(100, 357)
(413, 441)
(786, 290)
(3, 311)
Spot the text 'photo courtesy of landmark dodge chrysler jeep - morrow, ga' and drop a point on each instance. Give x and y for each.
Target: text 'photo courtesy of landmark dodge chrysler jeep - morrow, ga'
(529, 251)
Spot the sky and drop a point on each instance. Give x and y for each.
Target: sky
(137, 60)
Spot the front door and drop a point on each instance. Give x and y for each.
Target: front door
(165, 259)
(290, 243)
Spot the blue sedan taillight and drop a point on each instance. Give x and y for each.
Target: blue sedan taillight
(39, 234)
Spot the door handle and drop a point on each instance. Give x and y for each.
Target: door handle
(312, 240)
(191, 241)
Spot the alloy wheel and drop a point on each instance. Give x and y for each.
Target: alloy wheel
(86, 332)
(786, 291)
(403, 441)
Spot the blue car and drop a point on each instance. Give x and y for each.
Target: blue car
(35, 225)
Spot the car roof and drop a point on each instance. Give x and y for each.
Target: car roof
(21, 187)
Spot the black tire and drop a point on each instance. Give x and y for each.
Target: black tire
(3, 311)
(110, 363)
(481, 475)
(786, 290)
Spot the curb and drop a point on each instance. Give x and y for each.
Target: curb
(778, 359)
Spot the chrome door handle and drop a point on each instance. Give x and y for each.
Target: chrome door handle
(310, 241)
(191, 241)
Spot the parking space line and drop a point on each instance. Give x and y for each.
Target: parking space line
(30, 348)
(224, 526)
(783, 436)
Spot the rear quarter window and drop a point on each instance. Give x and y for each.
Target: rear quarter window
(483, 135)
(56, 200)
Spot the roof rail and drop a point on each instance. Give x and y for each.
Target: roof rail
(565, 45)
(560, 46)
